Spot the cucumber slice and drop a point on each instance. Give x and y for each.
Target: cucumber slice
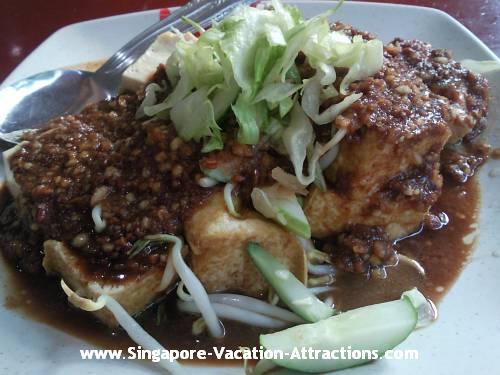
(290, 290)
(376, 328)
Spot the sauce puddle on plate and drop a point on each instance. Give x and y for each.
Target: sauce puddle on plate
(442, 254)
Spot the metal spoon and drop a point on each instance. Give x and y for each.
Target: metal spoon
(31, 102)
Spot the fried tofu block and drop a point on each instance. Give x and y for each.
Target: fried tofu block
(134, 294)
(392, 188)
(387, 170)
(218, 243)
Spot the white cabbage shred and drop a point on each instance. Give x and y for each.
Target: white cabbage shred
(246, 64)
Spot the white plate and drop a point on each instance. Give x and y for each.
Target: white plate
(466, 338)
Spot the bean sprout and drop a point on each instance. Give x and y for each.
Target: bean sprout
(99, 223)
(199, 326)
(327, 159)
(196, 289)
(181, 293)
(321, 280)
(321, 289)
(133, 329)
(255, 305)
(320, 269)
(169, 272)
(236, 314)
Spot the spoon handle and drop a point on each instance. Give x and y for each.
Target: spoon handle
(201, 11)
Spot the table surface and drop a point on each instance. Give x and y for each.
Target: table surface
(24, 24)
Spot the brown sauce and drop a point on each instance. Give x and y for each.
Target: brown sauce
(495, 153)
(441, 253)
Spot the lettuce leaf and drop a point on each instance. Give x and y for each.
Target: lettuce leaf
(193, 118)
(149, 98)
(246, 64)
(286, 106)
(281, 205)
(369, 61)
(251, 117)
(243, 29)
(311, 100)
(276, 92)
(298, 138)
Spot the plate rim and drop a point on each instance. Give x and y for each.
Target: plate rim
(435, 12)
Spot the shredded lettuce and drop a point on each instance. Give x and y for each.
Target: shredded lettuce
(201, 63)
(193, 118)
(243, 30)
(213, 142)
(368, 62)
(281, 205)
(246, 65)
(286, 105)
(297, 38)
(273, 133)
(172, 69)
(223, 97)
(274, 35)
(250, 117)
(149, 98)
(265, 57)
(297, 138)
(311, 100)
(195, 24)
(276, 92)
(183, 89)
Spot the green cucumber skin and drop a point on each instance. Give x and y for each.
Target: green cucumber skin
(377, 327)
(268, 266)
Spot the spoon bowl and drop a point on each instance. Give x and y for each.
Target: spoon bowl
(35, 100)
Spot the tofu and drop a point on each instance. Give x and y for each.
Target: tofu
(134, 294)
(393, 187)
(140, 72)
(218, 243)
(387, 170)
